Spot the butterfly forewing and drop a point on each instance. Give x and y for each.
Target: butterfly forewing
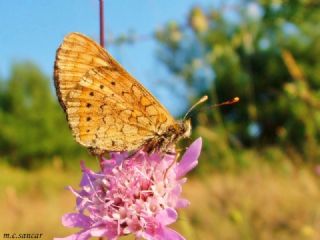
(76, 55)
(107, 109)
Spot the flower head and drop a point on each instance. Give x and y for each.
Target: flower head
(136, 194)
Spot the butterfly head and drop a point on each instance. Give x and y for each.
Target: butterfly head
(181, 129)
(185, 128)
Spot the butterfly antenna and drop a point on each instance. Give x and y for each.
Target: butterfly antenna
(201, 100)
(228, 102)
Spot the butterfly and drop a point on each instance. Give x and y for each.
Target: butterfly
(107, 109)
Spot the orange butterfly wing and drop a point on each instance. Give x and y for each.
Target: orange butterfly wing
(107, 109)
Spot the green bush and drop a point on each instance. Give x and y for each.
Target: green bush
(32, 125)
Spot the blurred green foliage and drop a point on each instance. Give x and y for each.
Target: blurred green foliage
(266, 53)
(32, 125)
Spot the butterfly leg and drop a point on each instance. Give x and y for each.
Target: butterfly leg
(173, 162)
(96, 151)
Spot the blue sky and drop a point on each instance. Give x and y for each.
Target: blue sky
(33, 29)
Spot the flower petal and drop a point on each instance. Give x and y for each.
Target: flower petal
(109, 230)
(88, 176)
(165, 233)
(98, 232)
(83, 235)
(167, 216)
(182, 203)
(76, 220)
(189, 159)
(145, 236)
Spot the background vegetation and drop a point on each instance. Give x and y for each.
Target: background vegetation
(258, 176)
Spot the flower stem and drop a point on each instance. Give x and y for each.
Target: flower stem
(101, 7)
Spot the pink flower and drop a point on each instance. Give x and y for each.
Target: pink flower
(136, 195)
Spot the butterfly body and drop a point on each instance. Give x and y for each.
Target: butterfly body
(107, 109)
(164, 142)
